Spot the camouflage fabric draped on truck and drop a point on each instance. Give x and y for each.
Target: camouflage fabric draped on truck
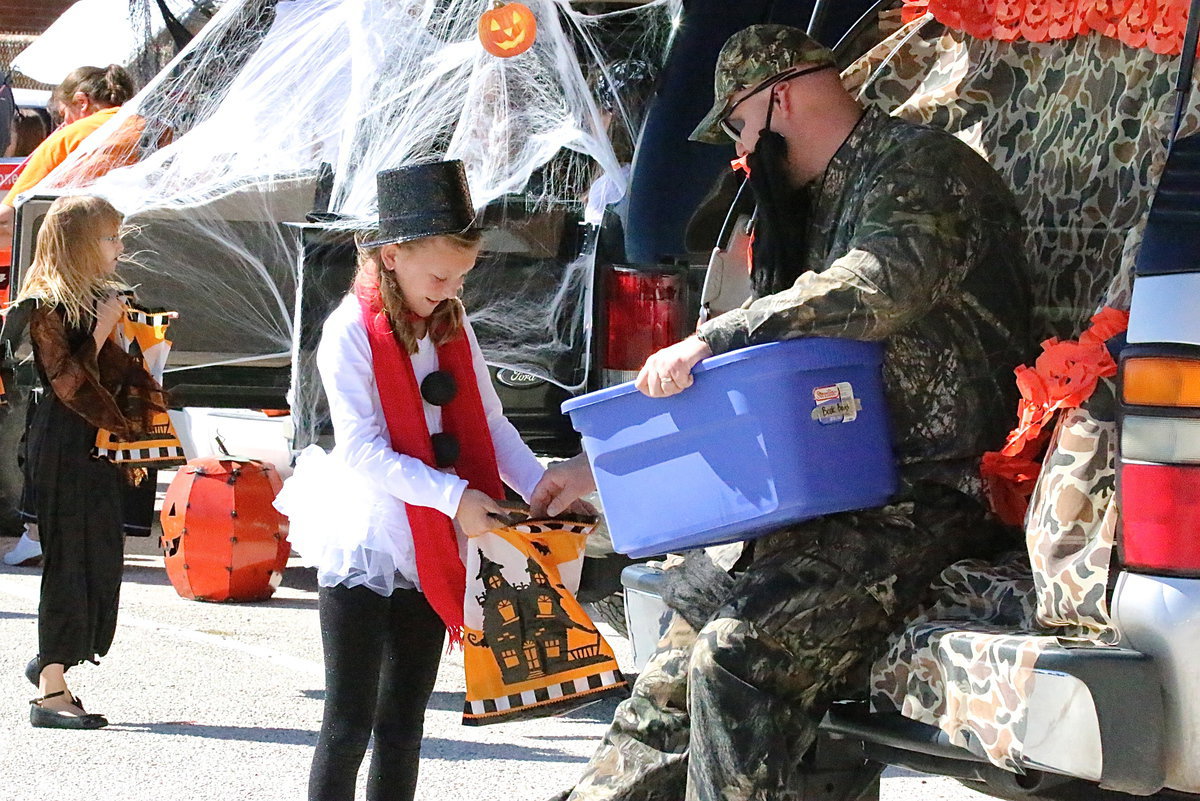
(1072, 524)
(1078, 128)
(975, 648)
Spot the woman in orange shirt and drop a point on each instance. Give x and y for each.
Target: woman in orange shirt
(86, 99)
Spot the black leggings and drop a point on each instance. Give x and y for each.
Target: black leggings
(381, 662)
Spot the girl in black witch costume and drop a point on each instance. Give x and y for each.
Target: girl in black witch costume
(421, 446)
(91, 383)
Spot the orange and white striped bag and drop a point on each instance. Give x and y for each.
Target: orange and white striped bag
(144, 334)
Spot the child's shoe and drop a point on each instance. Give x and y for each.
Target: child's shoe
(26, 553)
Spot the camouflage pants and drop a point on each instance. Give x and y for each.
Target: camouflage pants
(726, 708)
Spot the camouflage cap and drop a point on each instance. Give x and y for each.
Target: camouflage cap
(748, 58)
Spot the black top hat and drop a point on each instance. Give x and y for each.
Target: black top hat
(423, 200)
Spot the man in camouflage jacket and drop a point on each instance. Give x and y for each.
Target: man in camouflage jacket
(910, 238)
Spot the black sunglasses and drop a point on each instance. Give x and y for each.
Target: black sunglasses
(733, 128)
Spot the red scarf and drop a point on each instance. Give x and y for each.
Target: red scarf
(443, 576)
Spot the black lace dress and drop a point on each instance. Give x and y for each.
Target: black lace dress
(78, 499)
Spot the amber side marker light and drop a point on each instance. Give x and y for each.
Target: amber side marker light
(1158, 381)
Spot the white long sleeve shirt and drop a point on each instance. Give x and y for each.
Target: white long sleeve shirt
(363, 449)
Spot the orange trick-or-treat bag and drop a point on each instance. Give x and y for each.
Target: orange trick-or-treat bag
(529, 648)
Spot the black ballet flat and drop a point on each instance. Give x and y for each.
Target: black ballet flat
(42, 718)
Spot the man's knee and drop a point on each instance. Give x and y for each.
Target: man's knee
(735, 664)
(722, 649)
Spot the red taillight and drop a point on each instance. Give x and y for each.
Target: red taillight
(643, 313)
(1158, 477)
(1160, 517)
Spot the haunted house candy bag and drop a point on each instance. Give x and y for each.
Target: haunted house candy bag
(529, 648)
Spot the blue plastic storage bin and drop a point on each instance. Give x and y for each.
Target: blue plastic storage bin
(767, 435)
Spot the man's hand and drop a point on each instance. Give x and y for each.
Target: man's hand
(669, 371)
(474, 510)
(561, 487)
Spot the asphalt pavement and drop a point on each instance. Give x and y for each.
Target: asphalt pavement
(209, 702)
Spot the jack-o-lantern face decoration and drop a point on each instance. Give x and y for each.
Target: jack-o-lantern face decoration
(507, 29)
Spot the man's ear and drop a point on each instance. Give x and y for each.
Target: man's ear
(784, 99)
(80, 99)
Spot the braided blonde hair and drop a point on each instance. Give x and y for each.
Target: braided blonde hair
(447, 319)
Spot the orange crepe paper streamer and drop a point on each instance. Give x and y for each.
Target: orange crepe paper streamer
(1063, 377)
(1009, 482)
(1155, 24)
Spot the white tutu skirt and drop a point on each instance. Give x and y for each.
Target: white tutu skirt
(340, 523)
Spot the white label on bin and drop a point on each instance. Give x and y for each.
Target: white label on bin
(827, 394)
(836, 404)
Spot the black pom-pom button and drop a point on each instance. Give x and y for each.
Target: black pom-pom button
(439, 388)
(445, 449)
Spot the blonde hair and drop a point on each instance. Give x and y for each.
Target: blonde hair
(69, 269)
(447, 319)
